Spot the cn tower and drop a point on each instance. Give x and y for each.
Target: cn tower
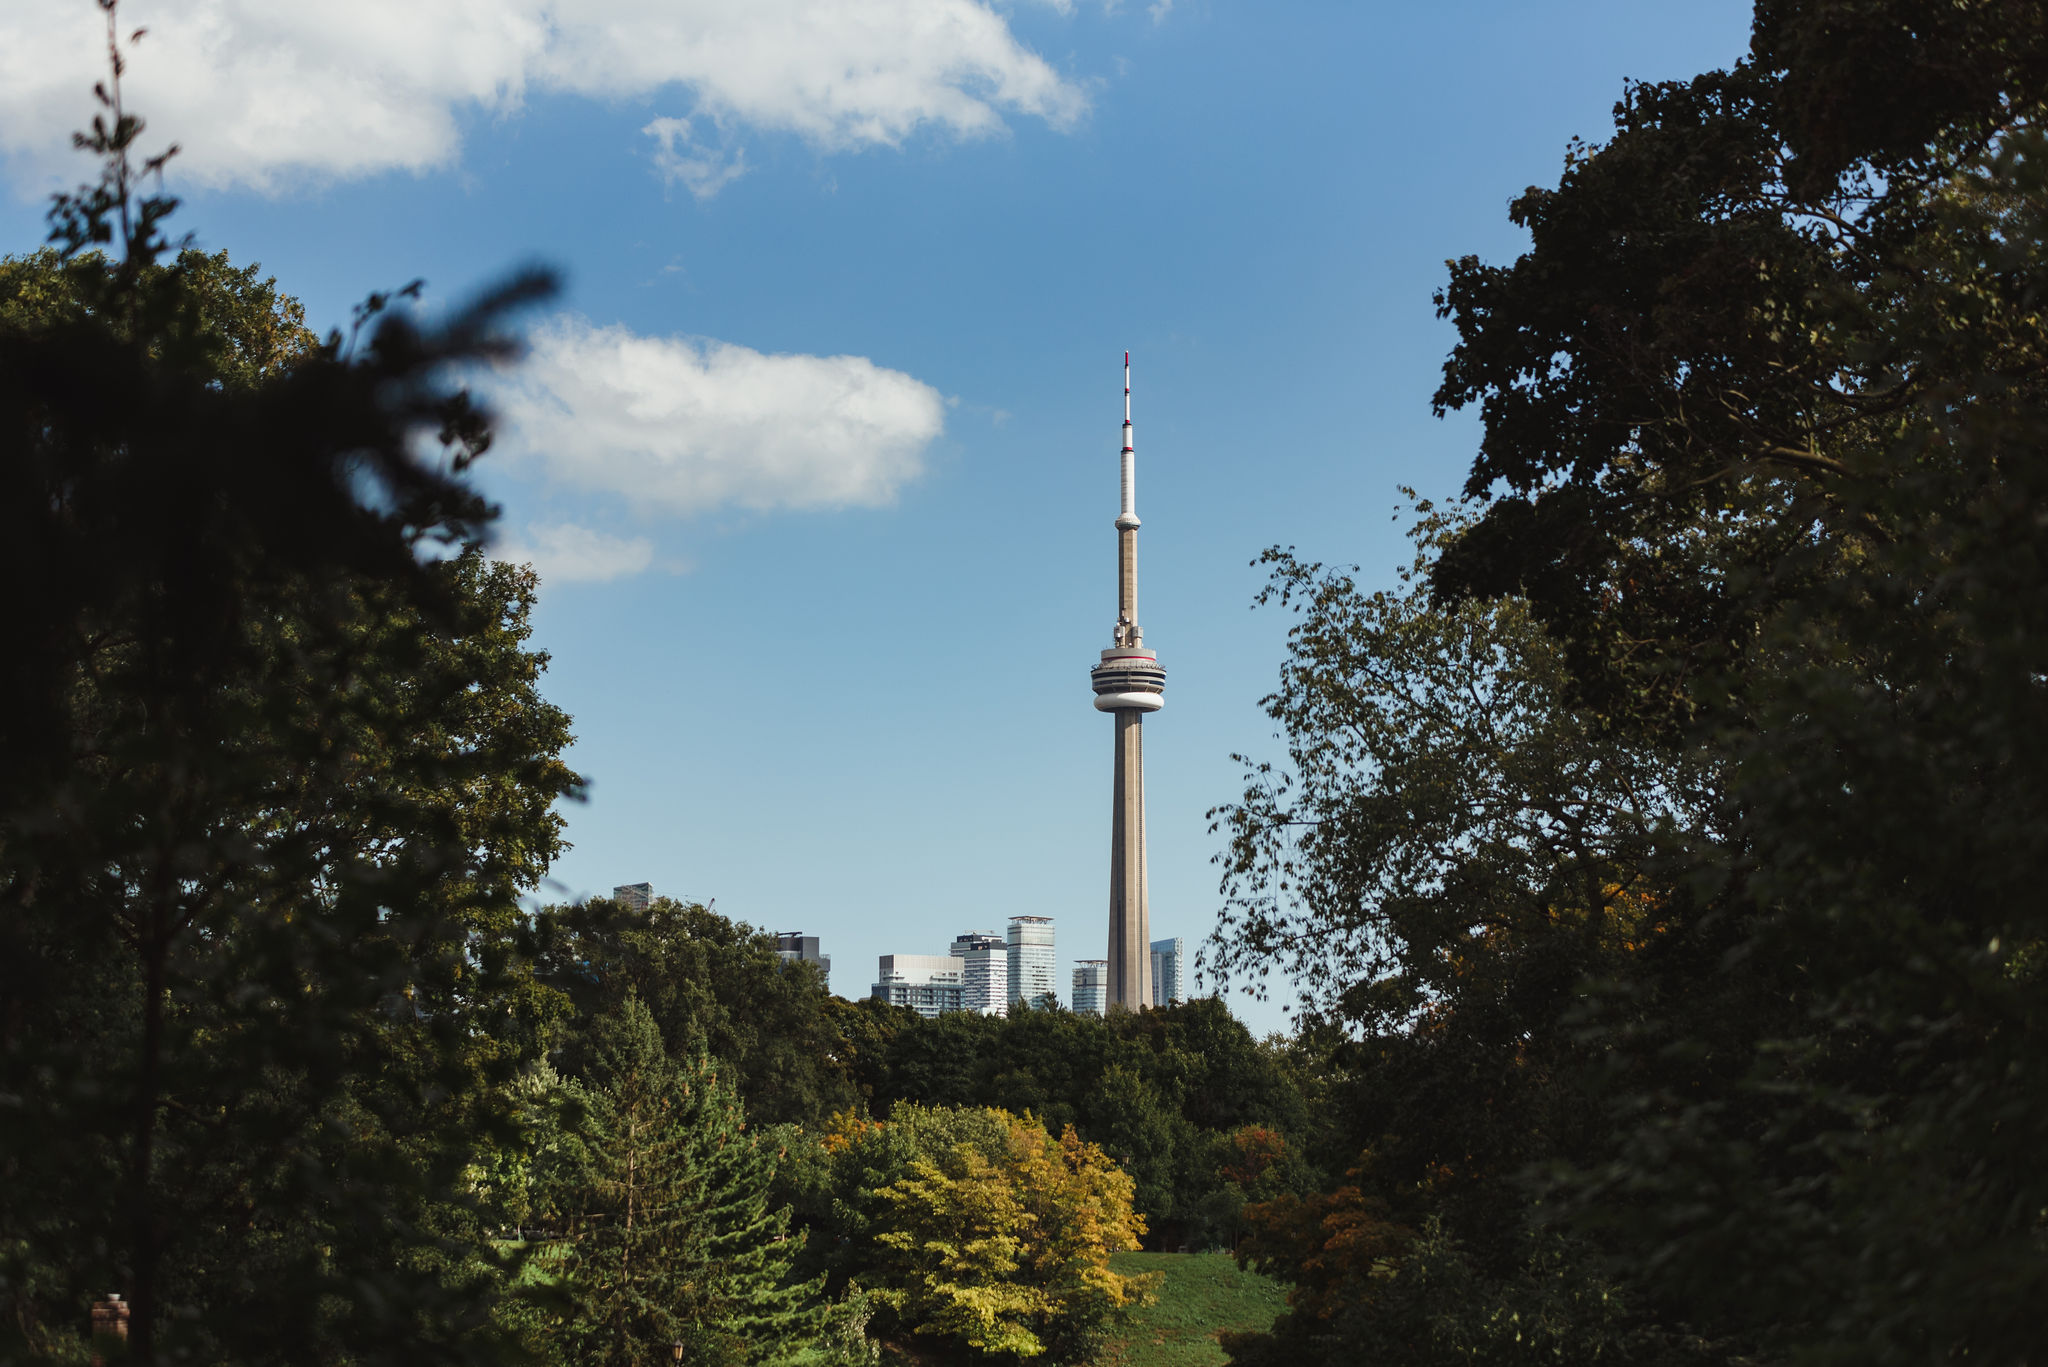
(1128, 684)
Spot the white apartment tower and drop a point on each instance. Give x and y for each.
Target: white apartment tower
(929, 984)
(1031, 959)
(985, 971)
(1169, 972)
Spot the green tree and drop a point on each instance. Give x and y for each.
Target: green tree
(272, 775)
(1439, 790)
(672, 1238)
(1729, 315)
(249, 332)
(1763, 409)
(1450, 854)
(1156, 1089)
(1786, 518)
(975, 1227)
(1887, 801)
(789, 1048)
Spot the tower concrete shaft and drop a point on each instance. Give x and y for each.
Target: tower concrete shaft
(1130, 903)
(1128, 684)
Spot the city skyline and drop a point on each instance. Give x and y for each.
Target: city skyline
(978, 967)
(980, 972)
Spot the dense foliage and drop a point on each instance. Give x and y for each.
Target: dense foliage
(1684, 825)
(796, 1052)
(1201, 1115)
(1197, 1111)
(272, 774)
(1451, 857)
(932, 1213)
(973, 1226)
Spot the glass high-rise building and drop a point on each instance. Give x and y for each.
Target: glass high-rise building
(1169, 972)
(634, 895)
(985, 964)
(1091, 987)
(1031, 959)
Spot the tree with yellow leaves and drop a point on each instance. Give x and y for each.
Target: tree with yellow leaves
(979, 1227)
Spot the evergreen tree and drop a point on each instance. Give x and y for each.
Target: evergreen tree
(672, 1237)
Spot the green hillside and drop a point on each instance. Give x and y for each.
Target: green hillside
(1200, 1294)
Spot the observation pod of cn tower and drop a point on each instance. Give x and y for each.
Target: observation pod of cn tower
(1128, 684)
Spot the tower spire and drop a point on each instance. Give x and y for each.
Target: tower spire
(1127, 519)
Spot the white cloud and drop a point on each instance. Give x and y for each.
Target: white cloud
(265, 92)
(565, 553)
(688, 425)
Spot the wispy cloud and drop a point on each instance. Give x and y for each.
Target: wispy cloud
(565, 553)
(687, 425)
(265, 94)
(681, 159)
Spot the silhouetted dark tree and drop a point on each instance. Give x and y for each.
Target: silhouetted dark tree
(273, 771)
(1694, 938)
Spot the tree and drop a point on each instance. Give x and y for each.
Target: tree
(1156, 1089)
(1887, 795)
(973, 1226)
(672, 1237)
(953, 1243)
(1765, 484)
(272, 774)
(1445, 814)
(1450, 854)
(787, 1047)
(1763, 410)
(1690, 381)
(1369, 1291)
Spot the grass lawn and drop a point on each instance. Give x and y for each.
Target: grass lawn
(1201, 1293)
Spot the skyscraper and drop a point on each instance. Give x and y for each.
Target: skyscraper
(636, 896)
(1091, 988)
(985, 968)
(1031, 959)
(1169, 972)
(1128, 684)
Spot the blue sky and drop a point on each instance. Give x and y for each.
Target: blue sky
(819, 451)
